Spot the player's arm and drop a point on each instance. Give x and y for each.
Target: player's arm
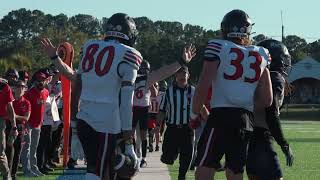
(167, 70)
(208, 74)
(128, 74)
(76, 87)
(23, 118)
(263, 94)
(204, 112)
(11, 114)
(154, 91)
(51, 51)
(273, 118)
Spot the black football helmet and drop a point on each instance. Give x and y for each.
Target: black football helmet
(281, 59)
(144, 68)
(12, 76)
(236, 24)
(163, 86)
(124, 165)
(121, 26)
(12, 73)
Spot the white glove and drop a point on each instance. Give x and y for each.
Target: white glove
(129, 150)
(76, 147)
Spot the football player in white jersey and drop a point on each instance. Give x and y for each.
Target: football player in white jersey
(107, 68)
(152, 115)
(239, 78)
(141, 101)
(262, 161)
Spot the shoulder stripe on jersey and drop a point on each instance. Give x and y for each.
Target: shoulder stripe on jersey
(133, 57)
(208, 54)
(132, 61)
(215, 43)
(212, 49)
(214, 46)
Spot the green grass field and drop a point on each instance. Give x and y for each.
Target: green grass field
(303, 134)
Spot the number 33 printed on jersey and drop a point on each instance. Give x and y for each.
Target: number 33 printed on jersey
(237, 63)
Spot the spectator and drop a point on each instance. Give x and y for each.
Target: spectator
(6, 112)
(45, 141)
(37, 96)
(22, 108)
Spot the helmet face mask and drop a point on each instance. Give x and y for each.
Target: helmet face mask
(123, 28)
(281, 59)
(236, 25)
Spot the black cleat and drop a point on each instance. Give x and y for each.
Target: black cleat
(143, 163)
(157, 148)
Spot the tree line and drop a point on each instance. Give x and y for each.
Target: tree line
(160, 42)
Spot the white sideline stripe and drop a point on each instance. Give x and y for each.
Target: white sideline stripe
(300, 128)
(207, 147)
(309, 131)
(104, 154)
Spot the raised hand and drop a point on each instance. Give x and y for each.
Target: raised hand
(47, 46)
(188, 53)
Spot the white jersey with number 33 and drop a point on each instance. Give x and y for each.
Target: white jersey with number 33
(238, 73)
(101, 82)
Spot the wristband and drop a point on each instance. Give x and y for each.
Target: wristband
(54, 57)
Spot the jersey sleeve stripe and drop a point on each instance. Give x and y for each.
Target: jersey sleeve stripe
(208, 49)
(208, 54)
(214, 46)
(132, 61)
(135, 54)
(215, 43)
(133, 57)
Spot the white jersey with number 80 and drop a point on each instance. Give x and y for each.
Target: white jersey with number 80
(101, 82)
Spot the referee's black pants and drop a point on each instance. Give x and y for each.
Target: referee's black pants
(178, 140)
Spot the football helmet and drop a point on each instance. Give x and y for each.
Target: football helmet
(12, 76)
(163, 86)
(121, 26)
(281, 59)
(236, 24)
(12, 73)
(144, 67)
(124, 165)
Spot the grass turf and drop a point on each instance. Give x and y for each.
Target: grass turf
(304, 138)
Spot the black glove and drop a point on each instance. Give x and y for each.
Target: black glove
(288, 153)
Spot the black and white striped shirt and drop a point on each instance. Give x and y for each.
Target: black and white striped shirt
(177, 104)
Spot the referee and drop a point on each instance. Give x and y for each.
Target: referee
(178, 137)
